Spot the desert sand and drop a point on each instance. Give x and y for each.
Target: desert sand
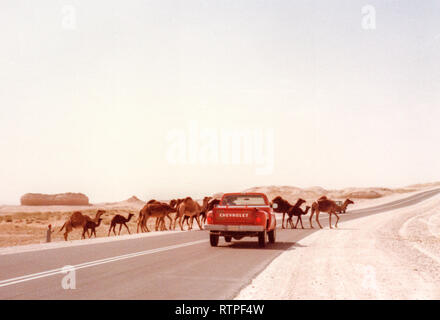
(383, 256)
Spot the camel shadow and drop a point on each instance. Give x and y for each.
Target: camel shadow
(281, 246)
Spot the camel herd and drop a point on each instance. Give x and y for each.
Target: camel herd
(187, 210)
(323, 204)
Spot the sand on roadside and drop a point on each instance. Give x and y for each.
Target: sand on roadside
(391, 255)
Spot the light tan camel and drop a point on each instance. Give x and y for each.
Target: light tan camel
(79, 220)
(324, 204)
(192, 209)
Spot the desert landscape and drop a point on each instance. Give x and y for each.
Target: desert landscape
(390, 255)
(27, 224)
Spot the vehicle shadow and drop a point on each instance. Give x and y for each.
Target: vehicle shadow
(254, 245)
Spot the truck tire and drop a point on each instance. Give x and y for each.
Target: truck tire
(262, 239)
(228, 239)
(213, 239)
(272, 235)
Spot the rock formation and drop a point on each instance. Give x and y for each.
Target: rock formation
(38, 199)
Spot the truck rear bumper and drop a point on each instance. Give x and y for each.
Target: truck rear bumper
(233, 228)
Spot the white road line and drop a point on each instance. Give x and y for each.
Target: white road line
(8, 282)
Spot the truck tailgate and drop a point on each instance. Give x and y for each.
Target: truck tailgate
(234, 216)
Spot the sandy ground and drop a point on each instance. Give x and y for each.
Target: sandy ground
(26, 225)
(392, 255)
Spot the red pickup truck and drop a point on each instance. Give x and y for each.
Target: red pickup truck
(242, 215)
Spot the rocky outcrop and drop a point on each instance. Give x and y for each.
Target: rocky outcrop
(62, 199)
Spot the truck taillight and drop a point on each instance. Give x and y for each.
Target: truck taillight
(209, 218)
(258, 219)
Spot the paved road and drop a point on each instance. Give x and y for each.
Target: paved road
(172, 266)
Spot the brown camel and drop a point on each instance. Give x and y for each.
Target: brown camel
(158, 210)
(297, 212)
(204, 212)
(191, 208)
(140, 221)
(324, 204)
(121, 220)
(79, 220)
(284, 206)
(160, 221)
(343, 207)
(92, 226)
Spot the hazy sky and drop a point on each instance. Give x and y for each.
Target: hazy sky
(94, 92)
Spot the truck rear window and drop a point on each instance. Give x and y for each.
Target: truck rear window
(243, 200)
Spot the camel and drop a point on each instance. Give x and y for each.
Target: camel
(79, 220)
(284, 206)
(204, 212)
(324, 204)
(343, 207)
(191, 208)
(121, 220)
(160, 221)
(155, 209)
(297, 212)
(140, 221)
(211, 206)
(92, 226)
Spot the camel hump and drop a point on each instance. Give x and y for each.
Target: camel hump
(323, 198)
(76, 216)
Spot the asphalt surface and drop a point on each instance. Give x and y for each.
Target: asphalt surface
(171, 266)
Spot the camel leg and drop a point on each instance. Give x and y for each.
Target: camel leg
(198, 222)
(330, 220)
(120, 227)
(181, 223)
(66, 233)
(175, 221)
(127, 228)
(337, 219)
(282, 223)
(300, 220)
(190, 222)
(317, 219)
(310, 220)
(109, 230)
(169, 219)
(146, 224)
(157, 223)
(114, 229)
